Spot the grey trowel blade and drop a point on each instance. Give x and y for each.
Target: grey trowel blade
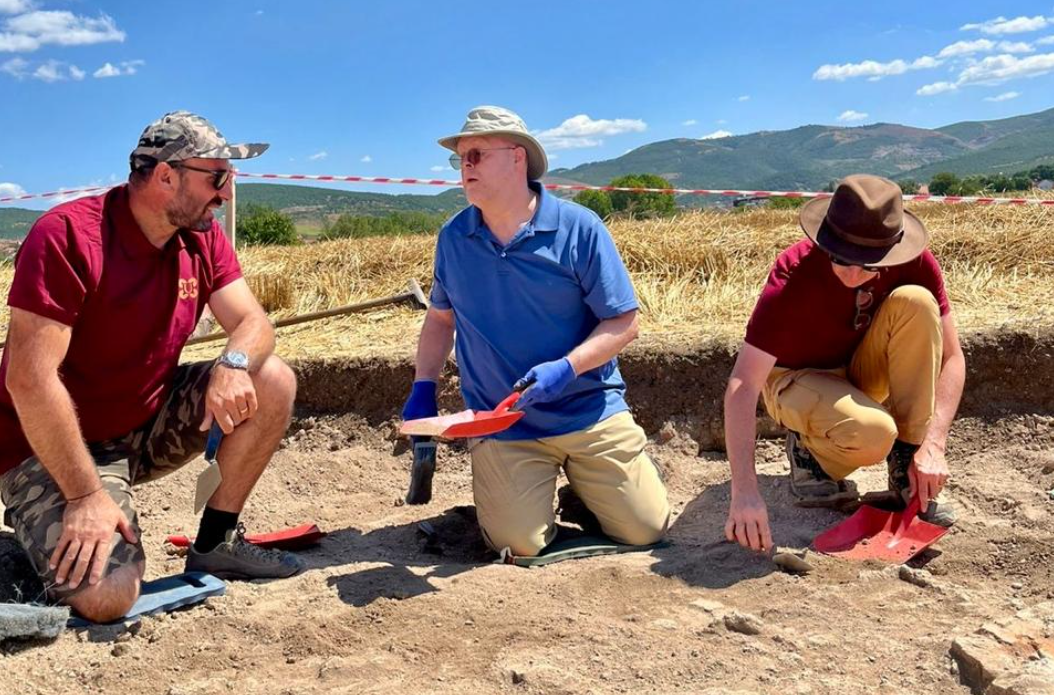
(210, 478)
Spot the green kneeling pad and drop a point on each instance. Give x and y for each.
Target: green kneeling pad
(573, 547)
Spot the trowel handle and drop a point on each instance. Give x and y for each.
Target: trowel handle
(517, 390)
(422, 470)
(212, 445)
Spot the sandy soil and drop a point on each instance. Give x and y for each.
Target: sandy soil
(382, 610)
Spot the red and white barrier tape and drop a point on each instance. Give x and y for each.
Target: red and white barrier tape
(950, 199)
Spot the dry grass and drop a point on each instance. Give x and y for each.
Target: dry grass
(697, 276)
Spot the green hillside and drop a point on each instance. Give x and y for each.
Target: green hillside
(15, 222)
(803, 158)
(307, 204)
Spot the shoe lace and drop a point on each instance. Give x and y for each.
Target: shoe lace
(243, 548)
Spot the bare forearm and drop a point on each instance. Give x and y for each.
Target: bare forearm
(254, 336)
(949, 392)
(605, 342)
(433, 348)
(740, 433)
(50, 424)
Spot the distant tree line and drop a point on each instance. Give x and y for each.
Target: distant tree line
(627, 204)
(947, 183)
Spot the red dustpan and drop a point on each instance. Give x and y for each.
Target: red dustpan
(467, 423)
(288, 539)
(874, 534)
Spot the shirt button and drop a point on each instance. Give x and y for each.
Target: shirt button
(503, 254)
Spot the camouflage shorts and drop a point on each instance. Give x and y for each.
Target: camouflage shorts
(34, 506)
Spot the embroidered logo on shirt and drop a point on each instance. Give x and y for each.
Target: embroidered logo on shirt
(188, 288)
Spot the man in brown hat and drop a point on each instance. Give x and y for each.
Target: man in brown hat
(538, 294)
(93, 400)
(853, 348)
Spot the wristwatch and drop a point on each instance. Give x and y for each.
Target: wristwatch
(235, 359)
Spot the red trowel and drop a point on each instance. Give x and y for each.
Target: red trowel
(874, 534)
(295, 538)
(467, 423)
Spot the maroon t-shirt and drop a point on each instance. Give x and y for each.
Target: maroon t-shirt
(131, 306)
(805, 314)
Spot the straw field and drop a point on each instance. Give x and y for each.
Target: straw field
(697, 276)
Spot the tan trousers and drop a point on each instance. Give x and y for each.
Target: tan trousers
(838, 412)
(514, 482)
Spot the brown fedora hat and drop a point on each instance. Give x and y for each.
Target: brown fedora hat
(865, 223)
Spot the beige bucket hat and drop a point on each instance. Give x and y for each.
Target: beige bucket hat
(484, 121)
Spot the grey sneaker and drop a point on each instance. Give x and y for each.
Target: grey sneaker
(809, 482)
(236, 558)
(897, 463)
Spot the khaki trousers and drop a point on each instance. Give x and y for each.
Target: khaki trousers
(838, 413)
(514, 482)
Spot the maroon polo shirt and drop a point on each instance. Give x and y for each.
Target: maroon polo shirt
(131, 306)
(805, 314)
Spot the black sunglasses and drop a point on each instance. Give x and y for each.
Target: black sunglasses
(846, 264)
(220, 177)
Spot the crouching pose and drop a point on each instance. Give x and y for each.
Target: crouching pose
(93, 400)
(853, 348)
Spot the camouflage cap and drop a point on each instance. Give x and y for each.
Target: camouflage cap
(183, 135)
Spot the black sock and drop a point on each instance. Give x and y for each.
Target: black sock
(214, 527)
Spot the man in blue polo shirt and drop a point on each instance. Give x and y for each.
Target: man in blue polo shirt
(536, 290)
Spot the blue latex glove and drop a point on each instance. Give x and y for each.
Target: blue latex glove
(550, 379)
(422, 401)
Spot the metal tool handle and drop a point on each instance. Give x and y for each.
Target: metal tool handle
(422, 470)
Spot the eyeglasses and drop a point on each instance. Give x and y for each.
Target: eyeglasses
(473, 156)
(220, 177)
(846, 264)
(864, 300)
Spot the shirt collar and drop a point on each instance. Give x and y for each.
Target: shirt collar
(546, 214)
(123, 223)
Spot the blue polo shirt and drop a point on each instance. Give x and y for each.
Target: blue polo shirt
(530, 301)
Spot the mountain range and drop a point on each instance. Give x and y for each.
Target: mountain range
(804, 158)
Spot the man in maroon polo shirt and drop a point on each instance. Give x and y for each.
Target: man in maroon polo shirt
(92, 397)
(853, 348)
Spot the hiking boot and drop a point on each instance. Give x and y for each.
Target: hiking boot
(809, 481)
(236, 558)
(898, 461)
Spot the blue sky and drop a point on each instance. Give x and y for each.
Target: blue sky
(366, 88)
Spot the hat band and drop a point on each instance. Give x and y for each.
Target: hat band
(870, 242)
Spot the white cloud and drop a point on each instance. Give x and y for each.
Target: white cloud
(582, 131)
(8, 190)
(1002, 25)
(690, 122)
(745, 97)
(76, 73)
(30, 31)
(962, 48)
(50, 71)
(366, 159)
(873, 69)
(852, 116)
(997, 69)
(127, 67)
(1016, 47)
(721, 121)
(1005, 96)
(1045, 41)
(15, 6)
(107, 70)
(936, 88)
(16, 67)
(438, 168)
(717, 135)
(318, 155)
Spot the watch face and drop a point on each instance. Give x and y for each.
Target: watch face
(236, 359)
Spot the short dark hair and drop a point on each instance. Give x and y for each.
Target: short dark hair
(142, 170)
